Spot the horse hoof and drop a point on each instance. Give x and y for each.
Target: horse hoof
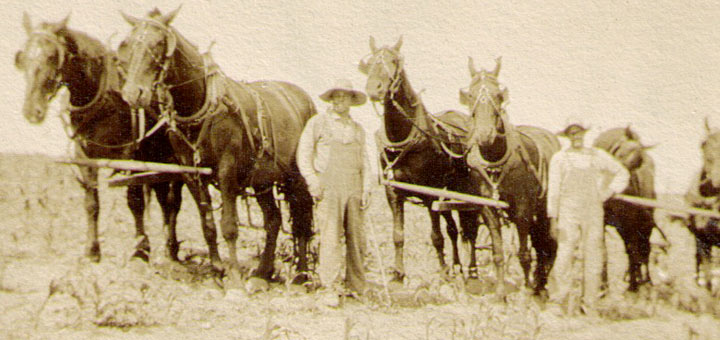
(301, 279)
(256, 284)
(93, 253)
(397, 276)
(172, 253)
(142, 255)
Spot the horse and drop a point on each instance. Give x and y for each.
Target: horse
(410, 151)
(634, 223)
(99, 121)
(510, 163)
(705, 193)
(247, 133)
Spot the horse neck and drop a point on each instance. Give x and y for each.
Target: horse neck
(83, 69)
(186, 73)
(401, 111)
(498, 148)
(495, 151)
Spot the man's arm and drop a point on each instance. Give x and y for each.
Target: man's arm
(304, 156)
(554, 178)
(620, 175)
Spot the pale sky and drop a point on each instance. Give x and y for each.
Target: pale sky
(652, 64)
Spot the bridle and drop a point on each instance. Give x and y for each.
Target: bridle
(163, 62)
(418, 122)
(483, 96)
(61, 52)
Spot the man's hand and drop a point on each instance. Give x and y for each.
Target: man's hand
(554, 228)
(365, 201)
(316, 190)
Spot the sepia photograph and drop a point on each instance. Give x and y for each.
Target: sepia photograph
(360, 169)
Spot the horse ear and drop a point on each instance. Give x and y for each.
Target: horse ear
(471, 67)
(629, 133)
(505, 95)
(63, 23)
(464, 97)
(398, 44)
(27, 24)
(19, 60)
(498, 63)
(707, 127)
(373, 48)
(168, 18)
(133, 21)
(363, 67)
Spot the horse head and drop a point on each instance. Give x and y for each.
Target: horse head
(41, 60)
(383, 67)
(630, 150)
(486, 99)
(711, 155)
(145, 55)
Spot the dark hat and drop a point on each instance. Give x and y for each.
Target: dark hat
(344, 85)
(573, 129)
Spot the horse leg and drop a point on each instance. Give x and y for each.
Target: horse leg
(631, 247)
(228, 184)
(169, 196)
(88, 180)
(524, 256)
(273, 221)
(703, 252)
(437, 239)
(491, 220)
(199, 190)
(136, 203)
(452, 232)
(397, 203)
(301, 208)
(545, 248)
(469, 225)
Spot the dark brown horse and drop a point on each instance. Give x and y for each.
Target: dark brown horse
(246, 132)
(705, 193)
(634, 223)
(101, 123)
(410, 151)
(510, 163)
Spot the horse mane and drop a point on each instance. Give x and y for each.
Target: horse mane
(80, 44)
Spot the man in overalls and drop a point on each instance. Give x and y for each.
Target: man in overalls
(580, 180)
(332, 158)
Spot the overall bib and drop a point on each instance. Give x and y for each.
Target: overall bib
(580, 225)
(339, 214)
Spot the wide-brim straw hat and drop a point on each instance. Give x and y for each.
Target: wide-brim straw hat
(344, 85)
(572, 129)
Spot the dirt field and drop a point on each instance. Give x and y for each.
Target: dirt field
(49, 291)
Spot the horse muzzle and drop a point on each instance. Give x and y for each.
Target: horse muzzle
(34, 113)
(136, 96)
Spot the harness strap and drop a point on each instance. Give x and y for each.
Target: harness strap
(261, 119)
(538, 171)
(231, 101)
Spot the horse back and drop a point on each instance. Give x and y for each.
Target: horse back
(275, 114)
(642, 179)
(540, 144)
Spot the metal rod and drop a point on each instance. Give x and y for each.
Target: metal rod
(666, 206)
(446, 194)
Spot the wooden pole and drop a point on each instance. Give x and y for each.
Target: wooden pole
(673, 208)
(446, 194)
(150, 177)
(131, 165)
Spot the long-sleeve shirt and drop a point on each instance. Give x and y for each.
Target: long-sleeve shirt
(313, 150)
(581, 180)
